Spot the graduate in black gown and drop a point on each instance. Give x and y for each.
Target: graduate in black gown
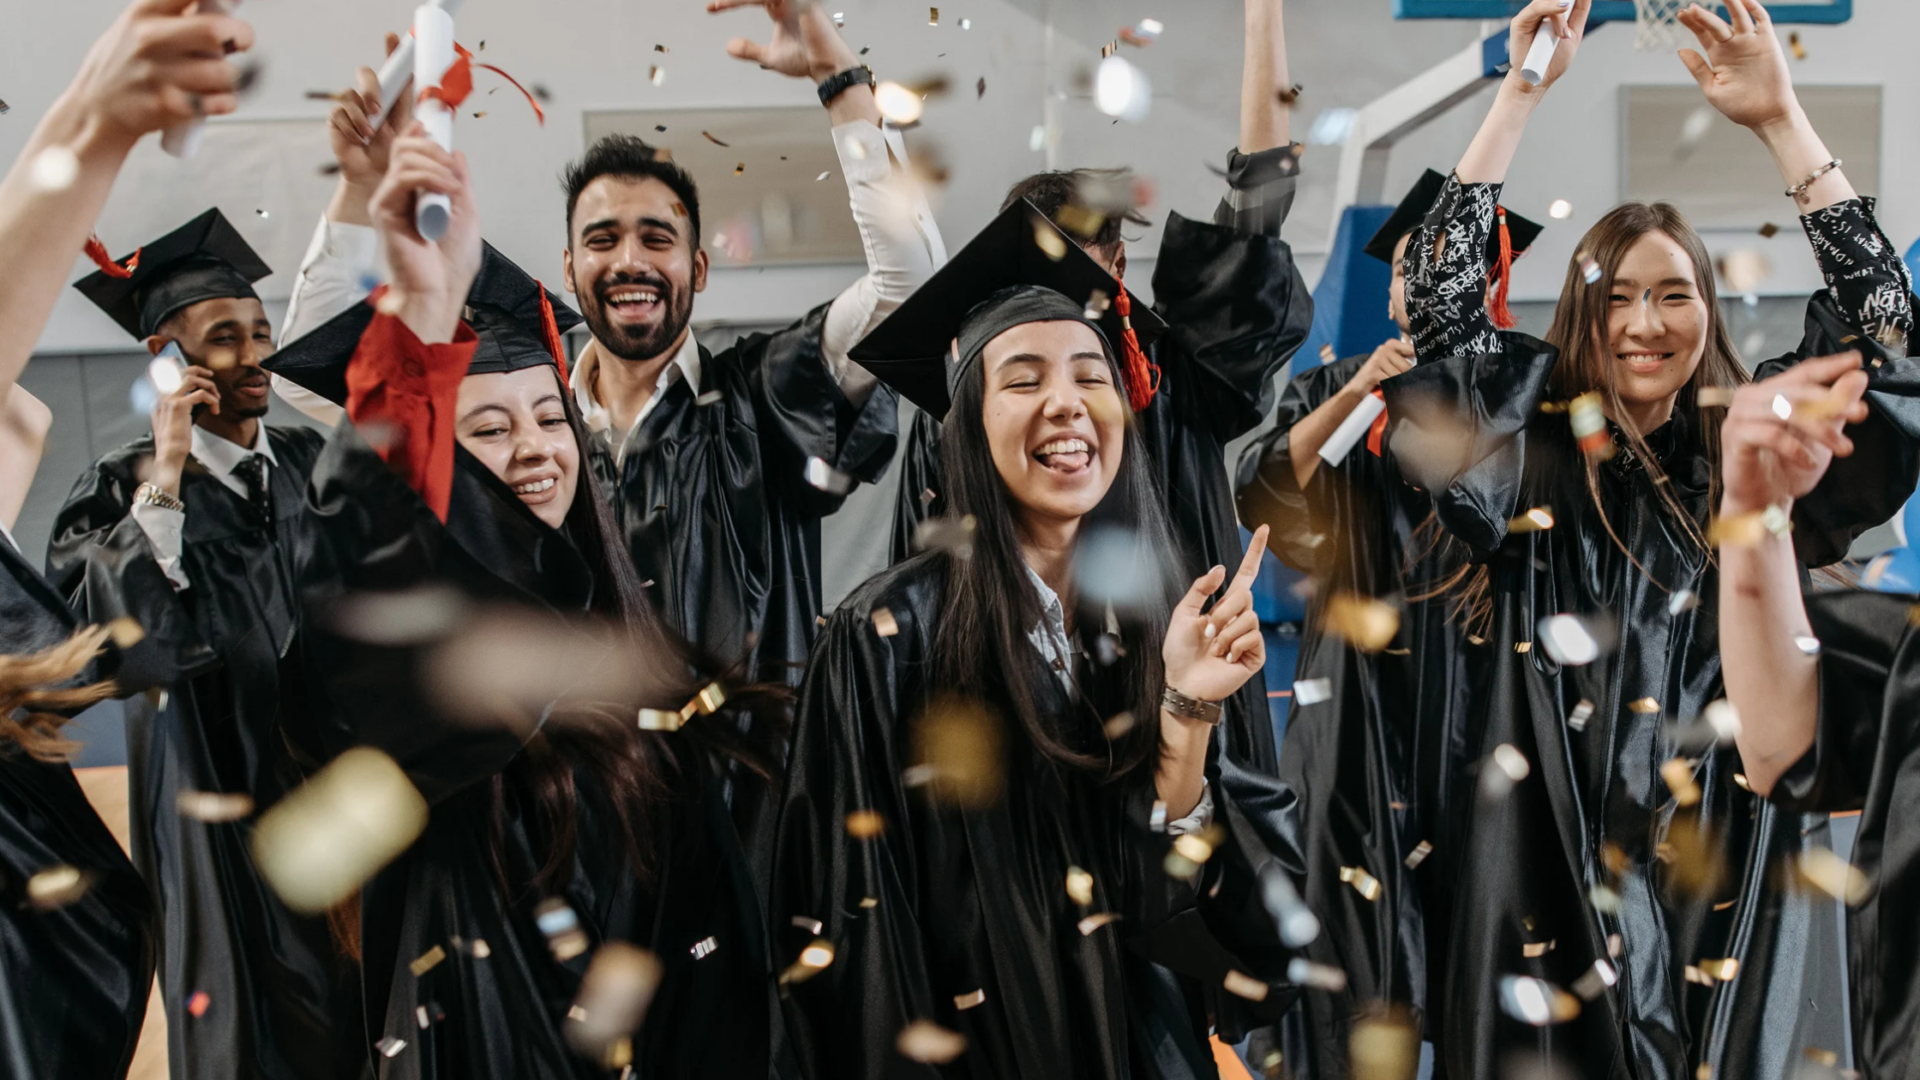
(974, 839)
(559, 820)
(76, 969)
(1236, 310)
(1611, 849)
(1375, 758)
(190, 531)
(1828, 691)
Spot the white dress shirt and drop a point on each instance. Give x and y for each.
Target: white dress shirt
(164, 527)
(1050, 640)
(599, 419)
(337, 272)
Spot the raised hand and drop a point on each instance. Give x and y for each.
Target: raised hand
(158, 65)
(430, 281)
(1744, 71)
(1568, 18)
(173, 426)
(805, 44)
(1769, 459)
(361, 150)
(1210, 654)
(1390, 359)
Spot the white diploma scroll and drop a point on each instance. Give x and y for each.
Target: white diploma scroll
(183, 139)
(1540, 56)
(397, 72)
(432, 56)
(1335, 449)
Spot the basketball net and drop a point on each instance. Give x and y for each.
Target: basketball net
(1657, 24)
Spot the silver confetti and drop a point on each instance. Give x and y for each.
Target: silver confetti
(1312, 691)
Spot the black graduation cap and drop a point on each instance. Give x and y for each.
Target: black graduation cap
(1413, 210)
(1021, 268)
(519, 323)
(205, 259)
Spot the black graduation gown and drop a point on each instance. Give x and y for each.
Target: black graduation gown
(948, 902)
(1236, 310)
(281, 997)
(1469, 430)
(714, 501)
(73, 980)
(1376, 762)
(501, 1015)
(1863, 759)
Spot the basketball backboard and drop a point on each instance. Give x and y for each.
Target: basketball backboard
(1801, 11)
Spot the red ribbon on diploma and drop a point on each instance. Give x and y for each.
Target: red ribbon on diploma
(457, 83)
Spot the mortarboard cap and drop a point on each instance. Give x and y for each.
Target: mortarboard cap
(519, 324)
(205, 259)
(1413, 210)
(1021, 268)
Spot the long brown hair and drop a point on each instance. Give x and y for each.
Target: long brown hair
(35, 706)
(1580, 331)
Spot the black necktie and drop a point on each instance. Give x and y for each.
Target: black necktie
(252, 472)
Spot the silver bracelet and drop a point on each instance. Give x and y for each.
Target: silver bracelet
(1181, 705)
(1799, 191)
(154, 495)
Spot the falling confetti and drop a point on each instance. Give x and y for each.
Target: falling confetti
(1682, 601)
(884, 623)
(815, 958)
(1094, 922)
(1363, 883)
(427, 961)
(660, 720)
(1678, 773)
(1362, 621)
(968, 1000)
(1505, 767)
(703, 948)
(1595, 980)
(1385, 1045)
(1240, 984)
(898, 104)
(1793, 42)
(979, 88)
(1117, 725)
(1560, 210)
(929, 1043)
(1079, 886)
(953, 535)
(658, 75)
(57, 886)
(199, 1003)
(1536, 1001)
(1569, 640)
(1312, 691)
(823, 176)
(1121, 90)
(1590, 426)
(966, 24)
(1822, 869)
(1097, 304)
(1583, 712)
(561, 924)
(961, 744)
(827, 478)
(1327, 353)
(1319, 976)
(1534, 950)
(1535, 520)
(1807, 645)
(710, 137)
(390, 1046)
(332, 833)
(864, 825)
(933, 16)
(1769, 230)
(1419, 854)
(5, 108)
(55, 169)
(1589, 267)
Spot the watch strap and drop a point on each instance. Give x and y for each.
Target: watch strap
(1181, 705)
(153, 495)
(843, 81)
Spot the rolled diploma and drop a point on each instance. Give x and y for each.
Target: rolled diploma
(1540, 56)
(183, 139)
(398, 69)
(1335, 449)
(432, 56)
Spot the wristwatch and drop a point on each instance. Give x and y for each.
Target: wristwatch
(844, 81)
(1181, 705)
(153, 495)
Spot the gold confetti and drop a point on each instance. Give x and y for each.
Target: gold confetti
(961, 745)
(884, 623)
(1097, 304)
(933, 16)
(1793, 42)
(1523, 646)
(1080, 220)
(1079, 886)
(811, 926)
(57, 886)
(1419, 854)
(1117, 725)
(1823, 1058)
(1051, 243)
(1534, 950)
(1363, 622)
(1678, 773)
(1583, 712)
(1536, 1001)
(1385, 1045)
(659, 720)
(1822, 869)
(815, 958)
(1319, 976)
(715, 139)
(1535, 520)
(1590, 425)
(125, 632)
(865, 825)
(481, 115)
(966, 1001)
(929, 1043)
(1363, 883)
(1240, 984)
(657, 75)
(612, 1002)
(740, 169)
(1715, 397)
(213, 807)
(869, 902)
(561, 924)
(1094, 922)
(1595, 980)
(1769, 230)
(1646, 706)
(327, 837)
(390, 1046)
(1327, 355)
(427, 961)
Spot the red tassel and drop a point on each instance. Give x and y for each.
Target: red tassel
(551, 330)
(97, 251)
(457, 84)
(1376, 435)
(1502, 275)
(1143, 375)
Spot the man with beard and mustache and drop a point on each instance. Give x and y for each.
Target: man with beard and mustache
(190, 532)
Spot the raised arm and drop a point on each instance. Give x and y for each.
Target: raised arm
(903, 246)
(1266, 88)
(1769, 461)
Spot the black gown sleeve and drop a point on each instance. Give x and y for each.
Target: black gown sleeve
(919, 497)
(802, 415)
(1265, 489)
(1446, 270)
(99, 558)
(1869, 687)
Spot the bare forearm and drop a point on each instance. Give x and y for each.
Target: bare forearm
(1798, 152)
(1771, 681)
(1265, 119)
(349, 205)
(1313, 430)
(44, 226)
(1182, 773)
(1491, 153)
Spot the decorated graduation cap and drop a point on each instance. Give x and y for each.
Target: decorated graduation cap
(205, 259)
(1021, 268)
(519, 324)
(1511, 238)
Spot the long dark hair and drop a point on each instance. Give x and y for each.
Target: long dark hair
(982, 644)
(633, 769)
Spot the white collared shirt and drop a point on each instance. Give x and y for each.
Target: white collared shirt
(599, 418)
(1050, 640)
(164, 527)
(335, 274)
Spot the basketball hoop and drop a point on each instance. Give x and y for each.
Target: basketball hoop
(1657, 24)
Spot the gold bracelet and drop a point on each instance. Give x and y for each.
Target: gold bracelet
(154, 495)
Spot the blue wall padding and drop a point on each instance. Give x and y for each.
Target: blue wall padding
(1350, 304)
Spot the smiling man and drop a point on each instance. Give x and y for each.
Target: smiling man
(189, 531)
